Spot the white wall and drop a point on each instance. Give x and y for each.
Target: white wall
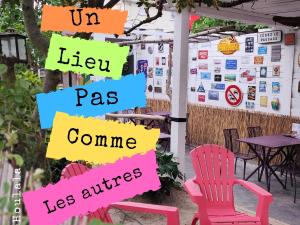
(287, 79)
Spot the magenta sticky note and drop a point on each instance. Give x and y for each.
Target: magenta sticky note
(93, 189)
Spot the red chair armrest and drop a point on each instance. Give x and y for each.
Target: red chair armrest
(264, 200)
(193, 190)
(260, 192)
(171, 213)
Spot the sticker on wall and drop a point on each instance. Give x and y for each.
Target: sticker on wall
(233, 95)
(230, 77)
(289, 39)
(263, 101)
(143, 46)
(275, 87)
(193, 89)
(150, 72)
(262, 50)
(201, 88)
(231, 64)
(269, 36)
(263, 71)
(193, 71)
(249, 44)
(158, 72)
(163, 61)
(158, 89)
(251, 93)
(156, 61)
(201, 98)
(250, 105)
(158, 82)
(194, 58)
(150, 50)
(262, 86)
(299, 87)
(160, 47)
(217, 61)
(258, 60)
(217, 69)
(228, 46)
(150, 88)
(142, 66)
(276, 53)
(203, 54)
(218, 86)
(218, 78)
(275, 104)
(213, 95)
(248, 75)
(203, 66)
(245, 60)
(205, 75)
(276, 70)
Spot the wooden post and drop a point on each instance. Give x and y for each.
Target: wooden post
(179, 86)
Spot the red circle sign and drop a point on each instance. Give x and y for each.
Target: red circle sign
(233, 95)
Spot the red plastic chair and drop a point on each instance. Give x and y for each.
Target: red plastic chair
(171, 213)
(212, 189)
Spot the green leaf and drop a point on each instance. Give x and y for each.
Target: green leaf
(3, 201)
(19, 160)
(6, 187)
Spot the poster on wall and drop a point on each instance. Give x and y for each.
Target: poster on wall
(142, 66)
(249, 44)
(158, 72)
(269, 37)
(276, 70)
(203, 54)
(245, 60)
(233, 95)
(218, 78)
(201, 88)
(251, 93)
(230, 77)
(205, 75)
(201, 98)
(250, 105)
(263, 71)
(275, 104)
(275, 87)
(218, 86)
(213, 95)
(263, 101)
(228, 45)
(262, 50)
(150, 72)
(158, 89)
(203, 66)
(248, 75)
(161, 47)
(262, 86)
(231, 64)
(258, 60)
(276, 53)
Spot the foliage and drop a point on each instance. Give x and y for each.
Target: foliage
(19, 133)
(207, 22)
(168, 173)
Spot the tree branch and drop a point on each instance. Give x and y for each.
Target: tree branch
(288, 21)
(40, 42)
(111, 3)
(148, 19)
(233, 3)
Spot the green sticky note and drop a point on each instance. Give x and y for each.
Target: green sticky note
(86, 56)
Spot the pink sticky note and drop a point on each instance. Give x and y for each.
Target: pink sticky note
(56, 203)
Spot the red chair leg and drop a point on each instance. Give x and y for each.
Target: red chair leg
(195, 220)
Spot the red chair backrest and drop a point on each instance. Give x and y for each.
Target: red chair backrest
(75, 169)
(214, 167)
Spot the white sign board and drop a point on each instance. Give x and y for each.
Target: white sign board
(269, 37)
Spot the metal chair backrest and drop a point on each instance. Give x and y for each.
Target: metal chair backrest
(231, 135)
(254, 131)
(75, 169)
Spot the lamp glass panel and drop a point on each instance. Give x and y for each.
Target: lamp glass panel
(4, 47)
(22, 49)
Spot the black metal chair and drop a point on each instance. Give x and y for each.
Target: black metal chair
(231, 143)
(256, 131)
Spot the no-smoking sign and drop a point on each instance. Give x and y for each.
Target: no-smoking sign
(233, 95)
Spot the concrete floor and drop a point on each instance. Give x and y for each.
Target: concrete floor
(282, 208)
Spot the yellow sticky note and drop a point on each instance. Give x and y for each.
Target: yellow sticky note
(98, 141)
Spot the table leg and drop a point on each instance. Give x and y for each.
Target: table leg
(252, 148)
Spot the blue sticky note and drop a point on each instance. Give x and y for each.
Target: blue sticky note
(93, 99)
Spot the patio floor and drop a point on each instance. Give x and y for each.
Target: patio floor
(282, 207)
